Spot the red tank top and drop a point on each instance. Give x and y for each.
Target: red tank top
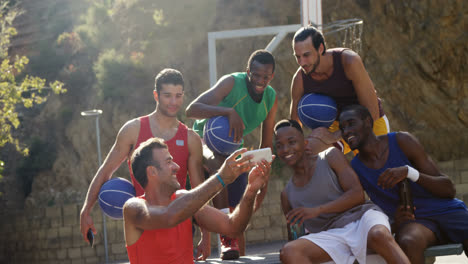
(163, 246)
(337, 86)
(177, 145)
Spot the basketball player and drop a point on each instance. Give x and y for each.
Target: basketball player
(158, 224)
(325, 196)
(183, 143)
(247, 100)
(386, 160)
(338, 73)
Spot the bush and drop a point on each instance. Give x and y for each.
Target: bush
(41, 158)
(118, 76)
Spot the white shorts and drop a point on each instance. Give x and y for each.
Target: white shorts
(344, 245)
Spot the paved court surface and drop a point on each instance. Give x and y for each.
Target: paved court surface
(268, 253)
(258, 253)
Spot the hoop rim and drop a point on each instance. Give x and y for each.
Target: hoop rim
(339, 25)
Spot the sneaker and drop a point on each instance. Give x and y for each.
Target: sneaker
(229, 248)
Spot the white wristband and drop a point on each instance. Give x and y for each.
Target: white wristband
(413, 174)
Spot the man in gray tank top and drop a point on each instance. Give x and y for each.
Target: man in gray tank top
(324, 195)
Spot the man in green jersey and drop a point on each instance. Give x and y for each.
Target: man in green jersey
(247, 100)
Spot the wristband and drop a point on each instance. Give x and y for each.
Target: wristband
(220, 180)
(413, 174)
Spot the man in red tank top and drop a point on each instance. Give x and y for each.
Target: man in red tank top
(184, 145)
(338, 73)
(158, 224)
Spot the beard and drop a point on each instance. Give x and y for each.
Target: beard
(314, 66)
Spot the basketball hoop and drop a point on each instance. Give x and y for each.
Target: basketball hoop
(344, 33)
(341, 33)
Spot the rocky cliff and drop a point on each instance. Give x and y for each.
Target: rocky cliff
(415, 52)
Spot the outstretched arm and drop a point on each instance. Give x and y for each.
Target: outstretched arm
(119, 152)
(206, 106)
(356, 72)
(142, 216)
(430, 176)
(235, 223)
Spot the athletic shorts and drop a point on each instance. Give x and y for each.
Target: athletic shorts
(448, 228)
(349, 243)
(381, 127)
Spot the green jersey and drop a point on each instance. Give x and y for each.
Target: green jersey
(251, 112)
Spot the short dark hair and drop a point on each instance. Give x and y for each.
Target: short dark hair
(288, 123)
(360, 110)
(168, 76)
(316, 36)
(142, 157)
(263, 57)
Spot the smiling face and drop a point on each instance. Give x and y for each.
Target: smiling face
(354, 129)
(170, 99)
(259, 76)
(289, 143)
(166, 169)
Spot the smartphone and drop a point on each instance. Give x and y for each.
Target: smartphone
(259, 154)
(406, 199)
(90, 237)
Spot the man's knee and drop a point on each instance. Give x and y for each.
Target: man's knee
(379, 235)
(289, 253)
(415, 238)
(411, 243)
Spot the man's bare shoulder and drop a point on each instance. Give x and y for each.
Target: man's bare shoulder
(192, 136)
(227, 79)
(334, 156)
(134, 206)
(331, 153)
(132, 125)
(350, 57)
(194, 142)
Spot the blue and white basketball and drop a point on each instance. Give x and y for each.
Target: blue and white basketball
(317, 110)
(216, 136)
(113, 195)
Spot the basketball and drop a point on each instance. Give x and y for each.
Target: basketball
(317, 110)
(216, 136)
(113, 195)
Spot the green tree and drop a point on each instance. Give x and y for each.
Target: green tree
(16, 88)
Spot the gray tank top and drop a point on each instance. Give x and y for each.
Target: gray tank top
(322, 188)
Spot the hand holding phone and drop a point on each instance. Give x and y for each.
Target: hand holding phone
(259, 154)
(90, 237)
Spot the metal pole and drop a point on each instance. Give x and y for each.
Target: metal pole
(97, 113)
(98, 139)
